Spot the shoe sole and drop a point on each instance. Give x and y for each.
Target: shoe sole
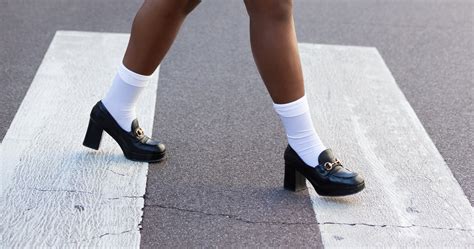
(145, 158)
(339, 191)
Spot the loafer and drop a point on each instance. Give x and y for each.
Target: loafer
(135, 144)
(329, 177)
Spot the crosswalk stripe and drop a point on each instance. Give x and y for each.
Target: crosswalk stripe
(55, 192)
(411, 197)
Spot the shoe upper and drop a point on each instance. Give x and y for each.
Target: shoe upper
(138, 132)
(329, 171)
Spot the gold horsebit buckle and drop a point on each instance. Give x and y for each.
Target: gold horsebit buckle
(328, 165)
(139, 132)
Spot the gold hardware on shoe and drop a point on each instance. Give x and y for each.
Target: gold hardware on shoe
(328, 165)
(139, 132)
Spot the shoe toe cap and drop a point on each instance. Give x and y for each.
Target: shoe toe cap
(358, 179)
(348, 178)
(161, 147)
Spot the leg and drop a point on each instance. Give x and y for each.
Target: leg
(275, 50)
(274, 47)
(153, 32)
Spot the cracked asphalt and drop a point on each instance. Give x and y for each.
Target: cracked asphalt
(237, 218)
(218, 185)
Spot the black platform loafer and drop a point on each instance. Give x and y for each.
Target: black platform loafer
(135, 144)
(329, 177)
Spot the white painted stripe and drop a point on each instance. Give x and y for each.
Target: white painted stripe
(55, 192)
(411, 197)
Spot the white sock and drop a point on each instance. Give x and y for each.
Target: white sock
(300, 132)
(123, 95)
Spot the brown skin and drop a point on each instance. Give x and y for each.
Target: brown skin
(153, 31)
(275, 48)
(272, 37)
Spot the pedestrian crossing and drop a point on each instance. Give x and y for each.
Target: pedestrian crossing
(56, 193)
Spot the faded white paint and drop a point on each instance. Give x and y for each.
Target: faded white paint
(55, 192)
(411, 197)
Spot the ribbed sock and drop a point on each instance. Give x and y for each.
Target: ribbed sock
(123, 95)
(300, 131)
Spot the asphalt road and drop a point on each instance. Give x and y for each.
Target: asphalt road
(208, 83)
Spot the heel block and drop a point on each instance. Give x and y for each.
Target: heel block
(93, 135)
(293, 180)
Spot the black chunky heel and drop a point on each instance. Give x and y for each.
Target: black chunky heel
(93, 135)
(293, 180)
